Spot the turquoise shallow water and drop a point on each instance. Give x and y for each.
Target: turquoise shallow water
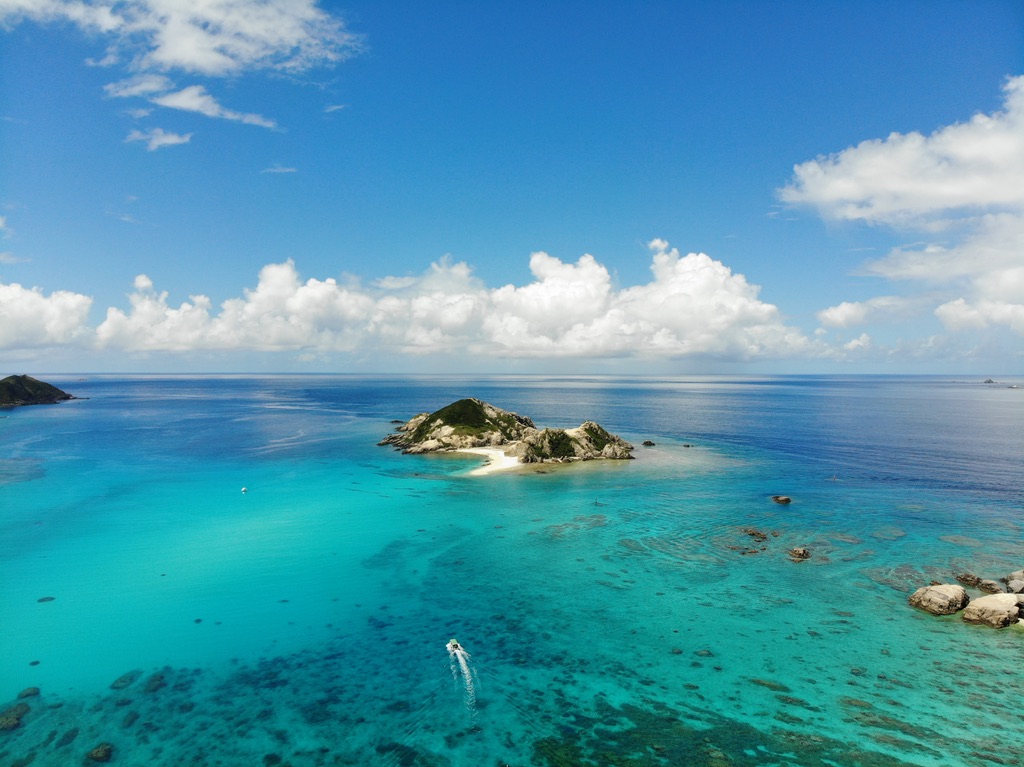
(633, 613)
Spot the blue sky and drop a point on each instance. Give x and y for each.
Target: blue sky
(230, 185)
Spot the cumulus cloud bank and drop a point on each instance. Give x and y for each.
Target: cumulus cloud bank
(965, 183)
(146, 39)
(30, 319)
(693, 305)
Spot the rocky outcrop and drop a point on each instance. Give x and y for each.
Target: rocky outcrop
(462, 424)
(1015, 582)
(470, 423)
(968, 579)
(995, 610)
(941, 599)
(25, 390)
(585, 443)
(989, 586)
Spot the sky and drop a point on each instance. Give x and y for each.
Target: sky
(537, 187)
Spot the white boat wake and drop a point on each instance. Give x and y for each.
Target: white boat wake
(459, 660)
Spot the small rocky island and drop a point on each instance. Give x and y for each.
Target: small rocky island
(472, 424)
(25, 390)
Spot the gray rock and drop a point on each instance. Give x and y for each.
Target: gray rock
(990, 587)
(968, 579)
(995, 610)
(1015, 586)
(943, 599)
(1016, 575)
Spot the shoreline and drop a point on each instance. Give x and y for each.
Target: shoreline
(497, 460)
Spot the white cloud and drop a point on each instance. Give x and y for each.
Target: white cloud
(208, 37)
(157, 138)
(961, 315)
(991, 248)
(91, 16)
(964, 182)
(916, 180)
(693, 306)
(278, 168)
(28, 318)
(6, 257)
(158, 90)
(146, 39)
(851, 313)
(859, 344)
(140, 85)
(195, 98)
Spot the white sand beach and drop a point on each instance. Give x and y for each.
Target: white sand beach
(496, 460)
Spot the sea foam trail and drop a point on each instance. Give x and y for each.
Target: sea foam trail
(459, 660)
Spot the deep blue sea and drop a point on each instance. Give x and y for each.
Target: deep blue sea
(632, 613)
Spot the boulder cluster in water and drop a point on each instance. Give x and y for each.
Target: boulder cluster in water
(998, 608)
(470, 423)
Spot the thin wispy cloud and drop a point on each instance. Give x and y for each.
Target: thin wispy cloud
(216, 38)
(146, 39)
(158, 138)
(277, 168)
(159, 90)
(335, 108)
(139, 85)
(195, 98)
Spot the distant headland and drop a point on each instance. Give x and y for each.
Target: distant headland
(25, 390)
(508, 439)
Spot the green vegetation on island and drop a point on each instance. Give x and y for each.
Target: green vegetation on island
(473, 418)
(25, 390)
(473, 423)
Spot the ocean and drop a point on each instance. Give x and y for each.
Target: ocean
(642, 612)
